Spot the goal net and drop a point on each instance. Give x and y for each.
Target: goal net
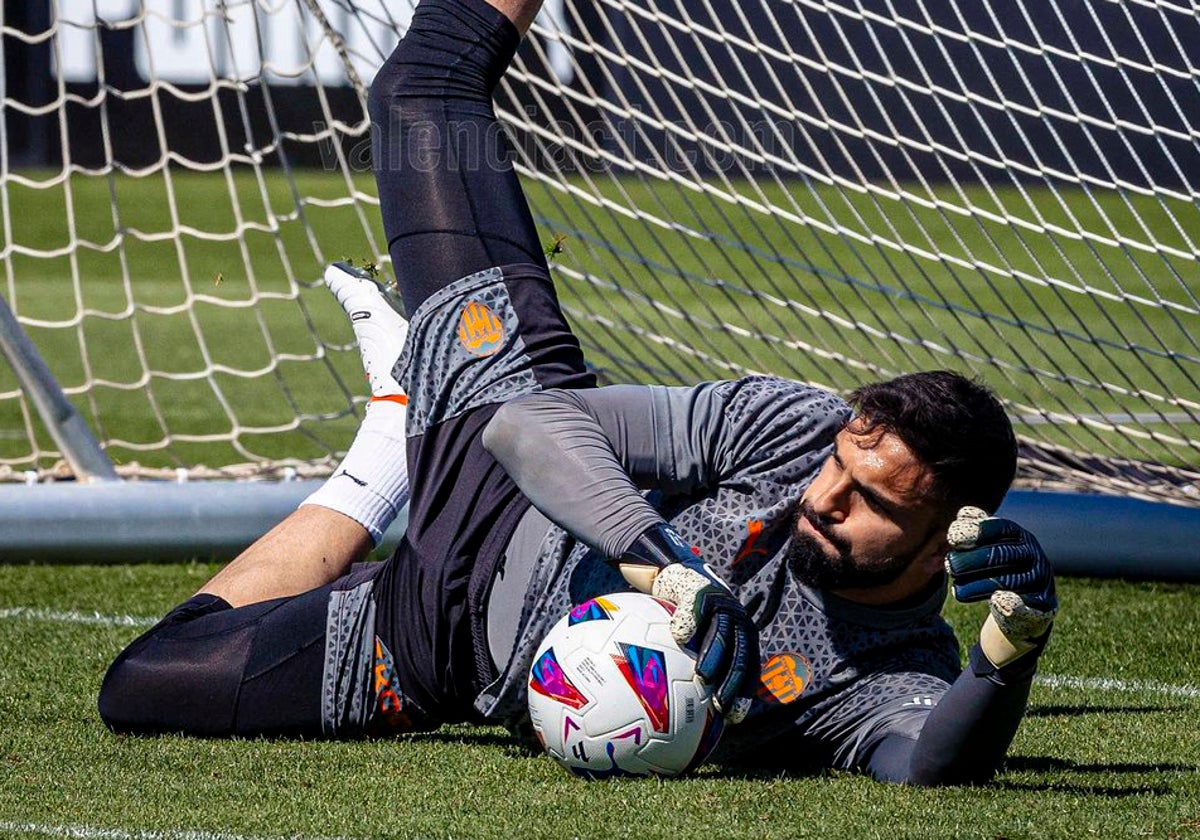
(838, 192)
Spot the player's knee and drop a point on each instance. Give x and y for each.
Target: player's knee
(394, 79)
(118, 702)
(397, 105)
(133, 695)
(149, 691)
(161, 685)
(379, 100)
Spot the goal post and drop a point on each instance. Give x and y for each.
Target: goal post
(75, 441)
(830, 191)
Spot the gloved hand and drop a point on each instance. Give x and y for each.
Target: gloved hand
(706, 614)
(999, 560)
(727, 658)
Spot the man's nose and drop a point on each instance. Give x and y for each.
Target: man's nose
(831, 502)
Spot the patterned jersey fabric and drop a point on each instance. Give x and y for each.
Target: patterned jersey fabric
(837, 676)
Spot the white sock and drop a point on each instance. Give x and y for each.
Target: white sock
(371, 484)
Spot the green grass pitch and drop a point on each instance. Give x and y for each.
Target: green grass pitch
(1109, 748)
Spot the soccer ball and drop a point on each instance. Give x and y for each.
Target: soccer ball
(612, 694)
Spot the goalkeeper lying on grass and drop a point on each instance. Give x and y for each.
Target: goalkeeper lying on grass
(806, 540)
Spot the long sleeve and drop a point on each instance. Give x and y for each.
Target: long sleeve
(966, 736)
(582, 457)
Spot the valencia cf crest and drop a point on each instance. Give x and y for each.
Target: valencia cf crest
(784, 678)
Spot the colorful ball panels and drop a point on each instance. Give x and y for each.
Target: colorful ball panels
(612, 694)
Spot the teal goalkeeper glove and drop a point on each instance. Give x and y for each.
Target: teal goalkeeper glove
(999, 560)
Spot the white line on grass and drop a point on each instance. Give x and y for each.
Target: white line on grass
(74, 617)
(1048, 680)
(84, 832)
(1126, 686)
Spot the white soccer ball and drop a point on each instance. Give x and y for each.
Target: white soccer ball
(612, 694)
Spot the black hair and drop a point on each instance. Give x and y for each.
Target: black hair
(955, 426)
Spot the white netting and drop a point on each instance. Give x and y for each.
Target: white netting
(834, 191)
(167, 260)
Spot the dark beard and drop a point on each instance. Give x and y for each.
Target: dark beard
(807, 560)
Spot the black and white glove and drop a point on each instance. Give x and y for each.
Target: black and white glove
(999, 560)
(707, 615)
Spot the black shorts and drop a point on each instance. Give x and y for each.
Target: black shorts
(472, 346)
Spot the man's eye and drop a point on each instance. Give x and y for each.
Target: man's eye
(875, 504)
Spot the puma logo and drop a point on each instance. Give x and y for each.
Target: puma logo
(354, 478)
(754, 529)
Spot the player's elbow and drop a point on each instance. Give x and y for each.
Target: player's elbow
(501, 436)
(510, 436)
(925, 770)
(901, 760)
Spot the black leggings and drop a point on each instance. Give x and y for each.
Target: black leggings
(451, 202)
(451, 206)
(209, 669)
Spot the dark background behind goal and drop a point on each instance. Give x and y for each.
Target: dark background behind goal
(977, 93)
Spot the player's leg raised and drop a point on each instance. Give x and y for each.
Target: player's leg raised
(485, 327)
(450, 200)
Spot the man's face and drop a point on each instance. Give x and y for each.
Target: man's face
(868, 517)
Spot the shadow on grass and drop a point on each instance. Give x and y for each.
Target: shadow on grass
(1104, 791)
(1065, 768)
(1044, 764)
(761, 772)
(1029, 764)
(1060, 768)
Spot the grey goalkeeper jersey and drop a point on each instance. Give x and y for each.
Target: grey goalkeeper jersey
(725, 463)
